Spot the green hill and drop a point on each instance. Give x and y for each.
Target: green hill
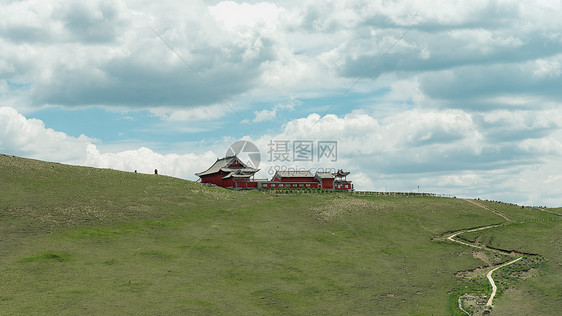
(77, 240)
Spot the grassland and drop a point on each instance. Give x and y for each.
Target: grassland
(534, 285)
(76, 240)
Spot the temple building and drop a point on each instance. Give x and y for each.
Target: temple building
(230, 172)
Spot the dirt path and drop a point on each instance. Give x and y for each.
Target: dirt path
(484, 207)
(452, 236)
(494, 287)
(489, 275)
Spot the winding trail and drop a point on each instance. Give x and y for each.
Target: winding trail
(494, 287)
(452, 236)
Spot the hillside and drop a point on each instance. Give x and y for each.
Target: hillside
(77, 240)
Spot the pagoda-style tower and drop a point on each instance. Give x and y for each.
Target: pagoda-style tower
(340, 181)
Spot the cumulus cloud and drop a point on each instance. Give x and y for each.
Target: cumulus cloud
(467, 98)
(444, 152)
(106, 55)
(95, 21)
(265, 115)
(145, 160)
(238, 17)
(200, 113)
(448, 151)
(102, 53)
(549, 67)
(30, 138)
(270, 115)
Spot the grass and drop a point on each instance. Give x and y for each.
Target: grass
(47, 256)
(520, 214)
(531, 286)
(81, 240)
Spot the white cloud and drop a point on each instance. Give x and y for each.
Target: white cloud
(365, 181)
(461, 179)
(105, 55)
(245, 16)
(484, 40)
(29, 138)
(442, 151)
(548, 68)
(469, 95)
(265, 115)
(102, 53)
(270, 115)
(538, 184)
(200, 113)
(146, 161)
(395, 152)
(545, 146)
(361, 133)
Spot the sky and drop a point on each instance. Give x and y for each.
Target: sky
(459, 98)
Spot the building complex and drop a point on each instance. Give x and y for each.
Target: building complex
(230, 172)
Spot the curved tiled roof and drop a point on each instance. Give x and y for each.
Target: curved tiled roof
(341, 173)
(324, 175)
(223, 164)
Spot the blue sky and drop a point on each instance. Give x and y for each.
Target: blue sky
(458, 97)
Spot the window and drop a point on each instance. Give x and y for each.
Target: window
(308, 185)
(281, 185)
(301, 185)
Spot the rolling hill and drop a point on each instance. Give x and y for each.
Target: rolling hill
(78, 240)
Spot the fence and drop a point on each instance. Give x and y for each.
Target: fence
(378, 193)
(359, 193)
